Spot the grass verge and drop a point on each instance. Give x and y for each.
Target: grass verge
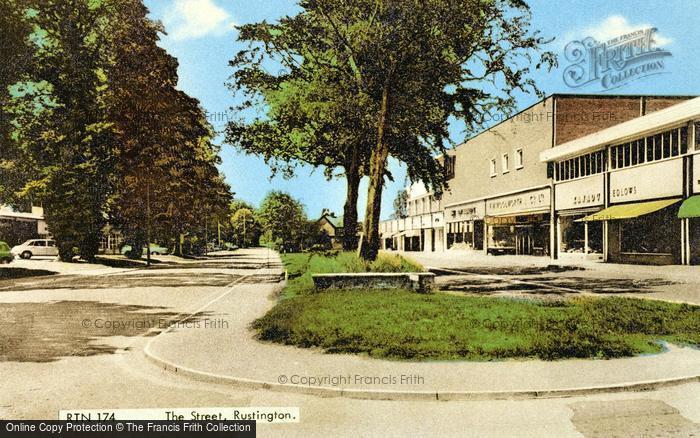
(399, 324)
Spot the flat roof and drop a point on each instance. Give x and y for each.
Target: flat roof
(638, 127)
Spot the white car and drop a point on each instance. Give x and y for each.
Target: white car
(36, 247)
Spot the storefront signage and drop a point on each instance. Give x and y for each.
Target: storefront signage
(659, 180)
(537, 200)
(581, 193)
(466, 212)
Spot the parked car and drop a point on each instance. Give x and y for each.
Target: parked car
(5, 253)
(155, 249)
(36, 247)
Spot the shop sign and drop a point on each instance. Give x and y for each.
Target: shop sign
(466, 212)
(537, 200)
(658, 180)
(581, 193)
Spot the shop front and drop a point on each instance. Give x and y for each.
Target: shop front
(689, 212)
(642, 220)
(519, 224)
(575, 200)
(464, 225)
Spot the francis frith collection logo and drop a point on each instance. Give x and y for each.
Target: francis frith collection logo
(616, 62)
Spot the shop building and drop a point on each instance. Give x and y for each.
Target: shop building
(631, 193)
(501, 196)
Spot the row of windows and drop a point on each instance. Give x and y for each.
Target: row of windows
(505, 163)
(585, 165)
(656, 147)
(423, 206)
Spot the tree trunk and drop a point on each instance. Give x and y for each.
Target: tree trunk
(377, 168)
(352, 174)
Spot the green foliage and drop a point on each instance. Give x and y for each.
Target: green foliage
(245, 227)
(283, 220)
(99, 130)
(398, 324)
(398, 70)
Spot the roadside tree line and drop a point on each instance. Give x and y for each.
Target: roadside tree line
(280, 223)
(94, 128)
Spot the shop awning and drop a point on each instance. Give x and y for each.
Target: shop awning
(690, 208)
(629, 211)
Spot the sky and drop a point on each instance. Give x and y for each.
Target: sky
(201, 34)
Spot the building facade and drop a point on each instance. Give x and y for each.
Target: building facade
(631, 193)
(19, 226)
(502, 197)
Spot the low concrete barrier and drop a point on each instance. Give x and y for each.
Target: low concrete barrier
(421, 282)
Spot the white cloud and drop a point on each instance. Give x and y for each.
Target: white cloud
(612, 27)
(191, 19)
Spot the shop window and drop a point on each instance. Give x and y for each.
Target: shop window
(650, 148)
(573, 235)
(519, 161)
(666, 141)
(658, 147)
(684, 139)
(627, 148)
(675, 147)
(620, 156)
(641, 153)
(493, 167)
(649, 234)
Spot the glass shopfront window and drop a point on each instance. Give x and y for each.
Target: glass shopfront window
(649, 234)
(573, 236)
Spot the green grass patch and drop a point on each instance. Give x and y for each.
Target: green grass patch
(301, 266)
(399, 324)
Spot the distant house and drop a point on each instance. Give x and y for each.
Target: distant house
(332, 225)
(19, 226)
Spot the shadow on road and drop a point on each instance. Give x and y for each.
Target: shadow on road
(46, 332)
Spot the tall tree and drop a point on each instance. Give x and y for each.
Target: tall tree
(306, 121)
(415, 64)
(63, 133)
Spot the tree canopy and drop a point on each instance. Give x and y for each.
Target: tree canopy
(407, 67)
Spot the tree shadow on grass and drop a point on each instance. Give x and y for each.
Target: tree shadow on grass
(46, 332)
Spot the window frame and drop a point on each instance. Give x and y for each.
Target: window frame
(505, 163)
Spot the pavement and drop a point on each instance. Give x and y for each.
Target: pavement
(230, 353)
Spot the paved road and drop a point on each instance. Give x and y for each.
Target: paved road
(546, 279)
(50, 361)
